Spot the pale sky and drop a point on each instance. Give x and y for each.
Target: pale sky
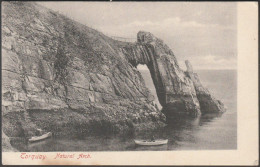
(202, 32)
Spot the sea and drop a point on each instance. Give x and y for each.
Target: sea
(208, 132)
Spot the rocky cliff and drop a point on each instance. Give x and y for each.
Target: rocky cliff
(64, 77)
(208, 103)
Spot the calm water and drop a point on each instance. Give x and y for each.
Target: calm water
(205, 132)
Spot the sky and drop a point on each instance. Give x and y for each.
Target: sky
(202, 32)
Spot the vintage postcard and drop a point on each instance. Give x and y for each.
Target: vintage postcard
(129, 83)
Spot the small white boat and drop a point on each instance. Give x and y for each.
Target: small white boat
(151, 143)
(37, 138)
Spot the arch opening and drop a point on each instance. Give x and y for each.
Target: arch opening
(145, 72)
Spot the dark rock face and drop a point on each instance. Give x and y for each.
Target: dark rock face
(64, 77)
(208, 104)
(59, 73)
(6, 146)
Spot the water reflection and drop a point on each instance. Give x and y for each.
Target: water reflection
(188, 122)
(180, 132)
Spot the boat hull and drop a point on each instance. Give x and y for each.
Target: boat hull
(38, 138)
(151, 143)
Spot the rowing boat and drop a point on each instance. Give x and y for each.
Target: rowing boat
(37, 138)
(151, 143)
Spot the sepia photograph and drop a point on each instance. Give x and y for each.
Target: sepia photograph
(121, 77)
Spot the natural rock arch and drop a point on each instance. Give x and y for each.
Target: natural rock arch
(176, 92)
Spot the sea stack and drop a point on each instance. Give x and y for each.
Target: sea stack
(208, 103)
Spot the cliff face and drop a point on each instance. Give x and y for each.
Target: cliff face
(64, 77)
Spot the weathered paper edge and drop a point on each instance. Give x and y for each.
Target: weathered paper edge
(247, 151)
